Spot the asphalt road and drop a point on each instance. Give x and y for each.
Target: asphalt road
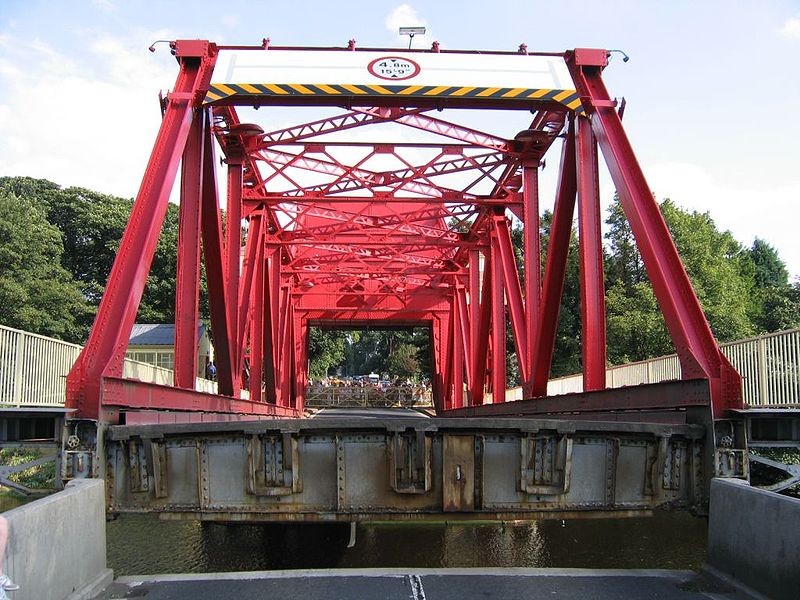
(430, 584)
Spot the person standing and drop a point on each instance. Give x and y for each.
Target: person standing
(6, 585)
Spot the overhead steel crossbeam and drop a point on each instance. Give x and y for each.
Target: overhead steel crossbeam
(383, 213)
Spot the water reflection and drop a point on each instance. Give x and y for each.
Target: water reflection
(140, 544)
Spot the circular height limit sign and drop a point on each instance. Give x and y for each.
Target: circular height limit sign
(393, 68)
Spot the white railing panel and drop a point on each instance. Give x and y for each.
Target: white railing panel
(134, 369)
(565, 385)
(33, 370)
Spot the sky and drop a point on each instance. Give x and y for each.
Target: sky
(712, 87)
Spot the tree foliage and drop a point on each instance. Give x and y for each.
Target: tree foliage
(37, 293)
(91, 225)
(403, 362)
(391, 352)
(57, 246)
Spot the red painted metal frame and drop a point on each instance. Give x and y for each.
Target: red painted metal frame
(321, 232)
(697, 350)
(593, 305)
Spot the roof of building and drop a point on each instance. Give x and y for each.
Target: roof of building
(152, 334)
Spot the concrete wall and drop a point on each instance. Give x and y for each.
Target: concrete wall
(57, 545)
(754, 538)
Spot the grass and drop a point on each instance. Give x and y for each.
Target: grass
(41, 477)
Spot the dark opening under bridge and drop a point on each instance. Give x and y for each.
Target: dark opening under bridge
(408, 226)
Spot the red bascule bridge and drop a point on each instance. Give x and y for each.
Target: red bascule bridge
(387, 210)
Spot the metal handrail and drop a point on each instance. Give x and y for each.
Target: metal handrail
(33, 370)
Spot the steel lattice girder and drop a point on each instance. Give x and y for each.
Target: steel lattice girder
(409, 229)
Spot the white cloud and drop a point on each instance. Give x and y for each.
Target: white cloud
(406, 15)
(763, 212)
(791, 28)
(88, 122)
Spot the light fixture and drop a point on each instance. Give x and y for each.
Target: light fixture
(411, 32)
(625, 57)
(152, 47)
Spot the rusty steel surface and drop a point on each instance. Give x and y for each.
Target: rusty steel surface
(362, 465)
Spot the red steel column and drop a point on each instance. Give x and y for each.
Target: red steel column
(508, 264)
(257, 322)
(270, 297)
(286, 372)
(480, 338)
(211, 225)
(187, 280)
(593, 305)
(300, 373)
(233, 248)
(498, 324)
(254, 254)
(105, 349)
(555, 267)
(457, 354)
(444, 358)
(695, 345)
(531, 256)
(465, 333)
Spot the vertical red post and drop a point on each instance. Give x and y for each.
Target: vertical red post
(483, 303)
(465, 334)
(516, 310)
(270, 298)
(498, 323)
(593, 305)
(695, 345)
(445, 364)
(300, 339)
(233, 249)
(532, 262)
(187, 280)
(254, 254)
(105, 349)
(457, 354)
(285, 374)
(213, 253)
(555, 267)
(257, 324)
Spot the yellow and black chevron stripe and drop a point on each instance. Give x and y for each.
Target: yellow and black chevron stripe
(220, 91)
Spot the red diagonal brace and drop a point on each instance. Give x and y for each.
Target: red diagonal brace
(105, 349)
(505, 250)
(555, 267)
(694, 343)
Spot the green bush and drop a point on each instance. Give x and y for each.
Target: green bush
(41, 477)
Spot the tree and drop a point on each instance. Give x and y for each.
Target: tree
(91, 226)
(718, 266)
(363, 351)
(770, 270)
(403, 361)
(36, 293)
(326, 350)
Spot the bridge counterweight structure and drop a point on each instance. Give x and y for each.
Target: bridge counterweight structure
(415, 230)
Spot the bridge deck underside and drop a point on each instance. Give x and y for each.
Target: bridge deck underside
(402, 465)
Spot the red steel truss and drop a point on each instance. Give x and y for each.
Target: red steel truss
(329, 230)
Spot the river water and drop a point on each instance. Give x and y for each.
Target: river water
(141, 544)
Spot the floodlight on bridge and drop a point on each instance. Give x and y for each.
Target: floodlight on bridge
(411, 32)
